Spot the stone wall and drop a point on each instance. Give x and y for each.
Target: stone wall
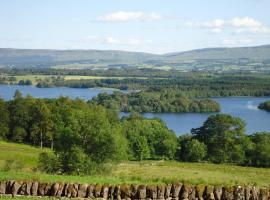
(168, 191)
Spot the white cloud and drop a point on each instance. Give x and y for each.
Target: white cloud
(123, 16)
(235, 25)
(236, 42)
(217, 23)
(245, 22)
(111, 40)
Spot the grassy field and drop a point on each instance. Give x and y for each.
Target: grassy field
(36, 78)
(151, 172)
(24, 156)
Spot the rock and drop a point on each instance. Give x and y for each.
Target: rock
(28, 187)
(34, 188)
(168, 189)
(74, 190)
(82, 191)
(68, 190)
(192, 194)
(176, 188)
(105, 192)
(217, 193)
(184, 192)
(117, 192)
(199, 191)
(98, 189)
(134, 191)
(47, 190)
(151, 192)
(264, 194)
(41, 189)
(3, 186)
(125, 191)
(111, 192)
(90, 191)
(54, 189)
(9, 186)
(15, 188)
(161, 192)
(227, 193)
(209, 193)
(60, 190)
(254, 193)
(65, 190)
(23, 189)
(239, 193)
(141, 192)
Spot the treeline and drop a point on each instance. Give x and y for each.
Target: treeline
(155, 102)
(265, 106)
(192, 86)
(86, 136)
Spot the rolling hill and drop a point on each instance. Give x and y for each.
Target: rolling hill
(113, 58)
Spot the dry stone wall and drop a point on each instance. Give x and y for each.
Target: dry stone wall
(176, 191)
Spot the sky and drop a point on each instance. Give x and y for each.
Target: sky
(155, 26)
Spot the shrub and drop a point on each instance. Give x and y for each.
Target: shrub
(49, 163)
(193, 151)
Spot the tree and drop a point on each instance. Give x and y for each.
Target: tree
(42, 123)
(193, 151)
(149, 138)
(4, 119)
(260, 154)
(20, 116)
(224, 137)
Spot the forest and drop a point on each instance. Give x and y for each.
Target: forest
(163, 102)
(85, 136)
(190, 84)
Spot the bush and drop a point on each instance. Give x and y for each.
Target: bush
(49, 163)
(193, 151)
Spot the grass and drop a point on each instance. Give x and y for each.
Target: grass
(9, 197)
(147, 172)
(24, 155)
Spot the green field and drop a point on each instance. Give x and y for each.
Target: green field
(151, 172)
(23, 155)
(36, 78)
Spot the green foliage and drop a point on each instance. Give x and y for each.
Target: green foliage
(260, 153)
(149, 138)
(49, 163)
(4, 120)
(168, 101)
(265, 106)
(193, 151)
(223, 135)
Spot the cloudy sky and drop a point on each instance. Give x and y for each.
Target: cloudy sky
(157, 26)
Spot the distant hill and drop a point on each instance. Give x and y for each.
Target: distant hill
(251, 53)
(114, 58)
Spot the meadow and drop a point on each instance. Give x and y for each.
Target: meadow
(131, 172)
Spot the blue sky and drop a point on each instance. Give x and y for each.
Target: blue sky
(157, 26)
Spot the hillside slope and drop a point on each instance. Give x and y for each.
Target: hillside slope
(114, 58)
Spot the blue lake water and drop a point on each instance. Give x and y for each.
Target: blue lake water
(243, 107)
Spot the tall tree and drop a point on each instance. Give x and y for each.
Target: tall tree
(224, 137)
(42, 125)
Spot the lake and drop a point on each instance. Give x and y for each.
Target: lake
(243, 107)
